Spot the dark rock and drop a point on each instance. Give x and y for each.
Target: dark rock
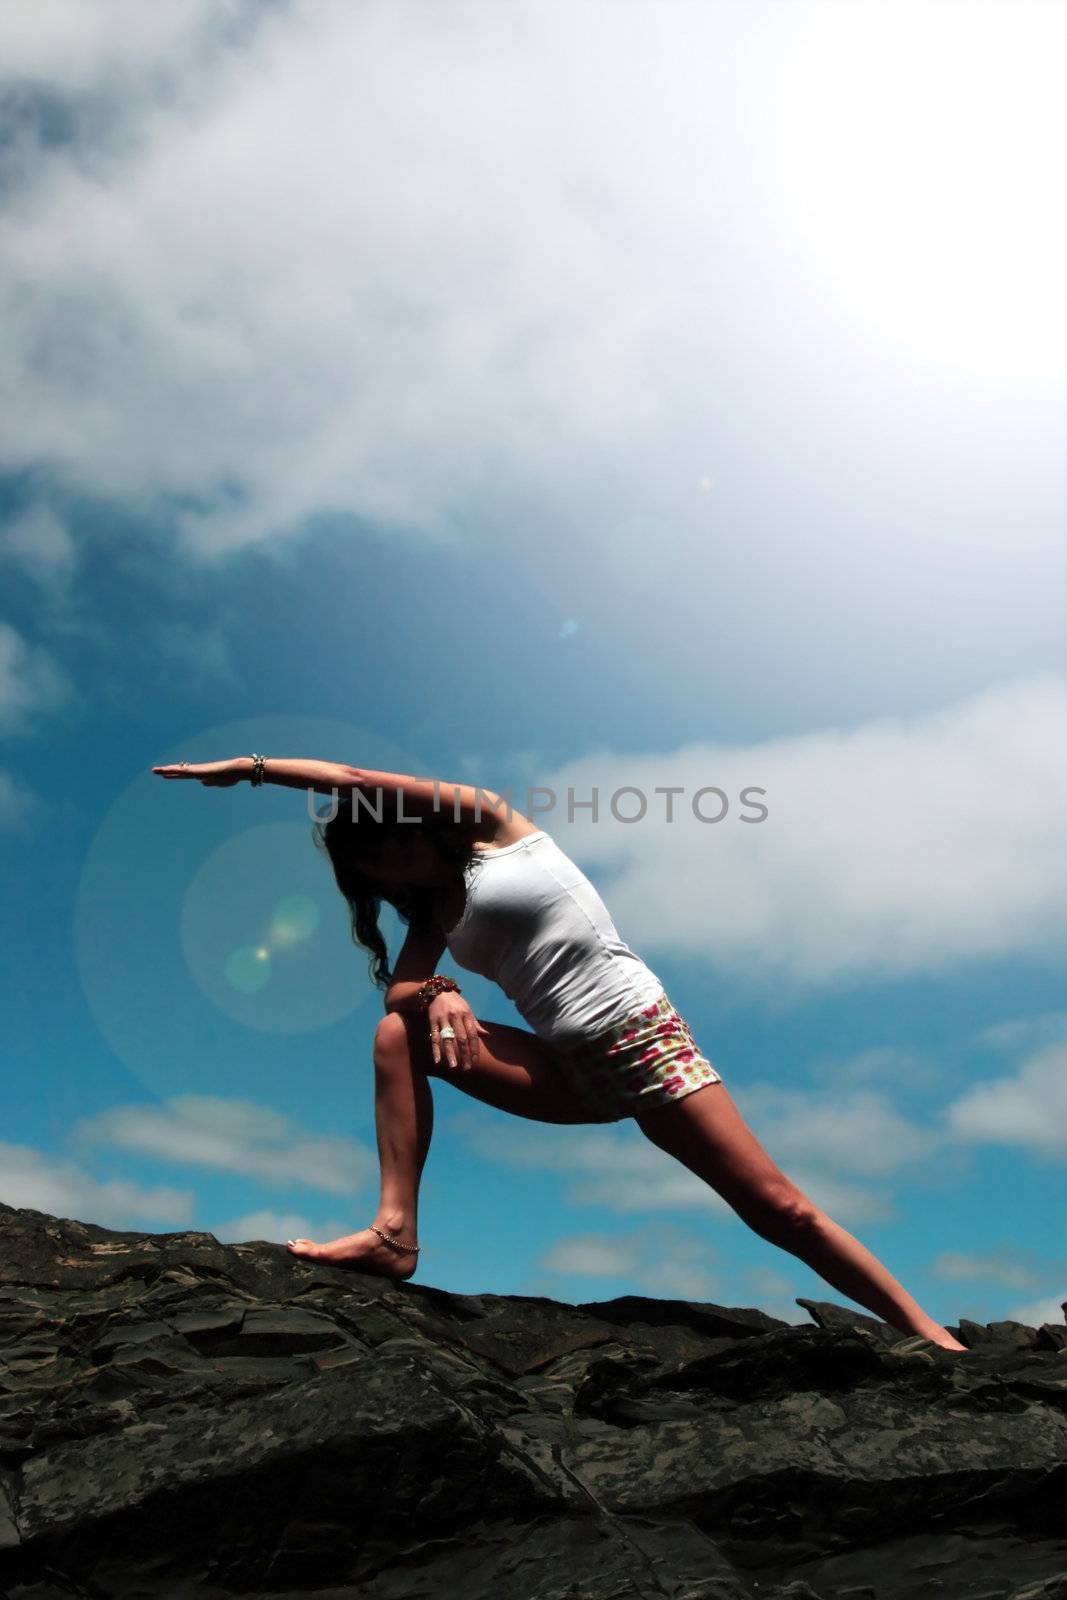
(1010, 1334)
(827, 1315)
(194, 1421)
(735, 1322)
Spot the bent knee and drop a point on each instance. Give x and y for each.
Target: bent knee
(399, 1041)
(390, 1038)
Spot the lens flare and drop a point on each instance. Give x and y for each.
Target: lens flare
(247, 969)
(296, 917)
(208, 926)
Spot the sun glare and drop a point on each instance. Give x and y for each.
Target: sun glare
(927, 175)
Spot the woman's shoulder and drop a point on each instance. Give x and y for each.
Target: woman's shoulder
(510, 832)
(501, 830)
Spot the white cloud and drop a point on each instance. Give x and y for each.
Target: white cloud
(499, 770)
(1003, 1267)
(612, 1168)
(784, 1310)
(665, 1262)
(1027, 1109)
(674, 1188)
(881, 1064)
(233, 1136)
(40, 542)
(897, 847)
(849, 1131)
(277, 1227)
(59, 1186)
(284, 296)
(1025, 1033)
(1034, 1312)
(634, 1188)
(659, 1260)
(31, 682)
(769, 1281)
(678, 1280)
(378, 258)
(844, 1201)
(590, 1255)
(127, 46)
(624, 1172)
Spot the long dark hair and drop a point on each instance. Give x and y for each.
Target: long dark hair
(356, 831)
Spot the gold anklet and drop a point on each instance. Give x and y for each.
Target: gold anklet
(409, 1249)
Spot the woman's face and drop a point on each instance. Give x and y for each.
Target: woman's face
(403, 860)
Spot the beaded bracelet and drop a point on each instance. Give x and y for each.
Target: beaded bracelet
(434, 986)
(257, 770)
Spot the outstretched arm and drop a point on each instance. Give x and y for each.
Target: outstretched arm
(322, 776)
(464, 802)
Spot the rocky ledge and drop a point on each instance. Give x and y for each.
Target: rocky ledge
(194, 1420)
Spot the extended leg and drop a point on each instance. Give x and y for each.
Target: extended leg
(706, 1133)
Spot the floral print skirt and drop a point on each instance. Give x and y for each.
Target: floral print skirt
(648, 1059)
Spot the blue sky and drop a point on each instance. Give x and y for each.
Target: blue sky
(537, 403)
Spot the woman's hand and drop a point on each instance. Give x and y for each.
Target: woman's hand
(451, 1010)
(216, 774)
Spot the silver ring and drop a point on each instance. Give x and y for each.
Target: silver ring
(446, 1033)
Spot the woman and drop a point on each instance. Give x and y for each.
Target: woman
(467, 873)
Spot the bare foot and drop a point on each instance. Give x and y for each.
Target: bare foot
(952, 1344)
(362, 1251)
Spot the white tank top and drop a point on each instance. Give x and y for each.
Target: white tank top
(535, 925)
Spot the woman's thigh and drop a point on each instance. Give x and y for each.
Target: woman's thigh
(706, 1132)
(516, 1072)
